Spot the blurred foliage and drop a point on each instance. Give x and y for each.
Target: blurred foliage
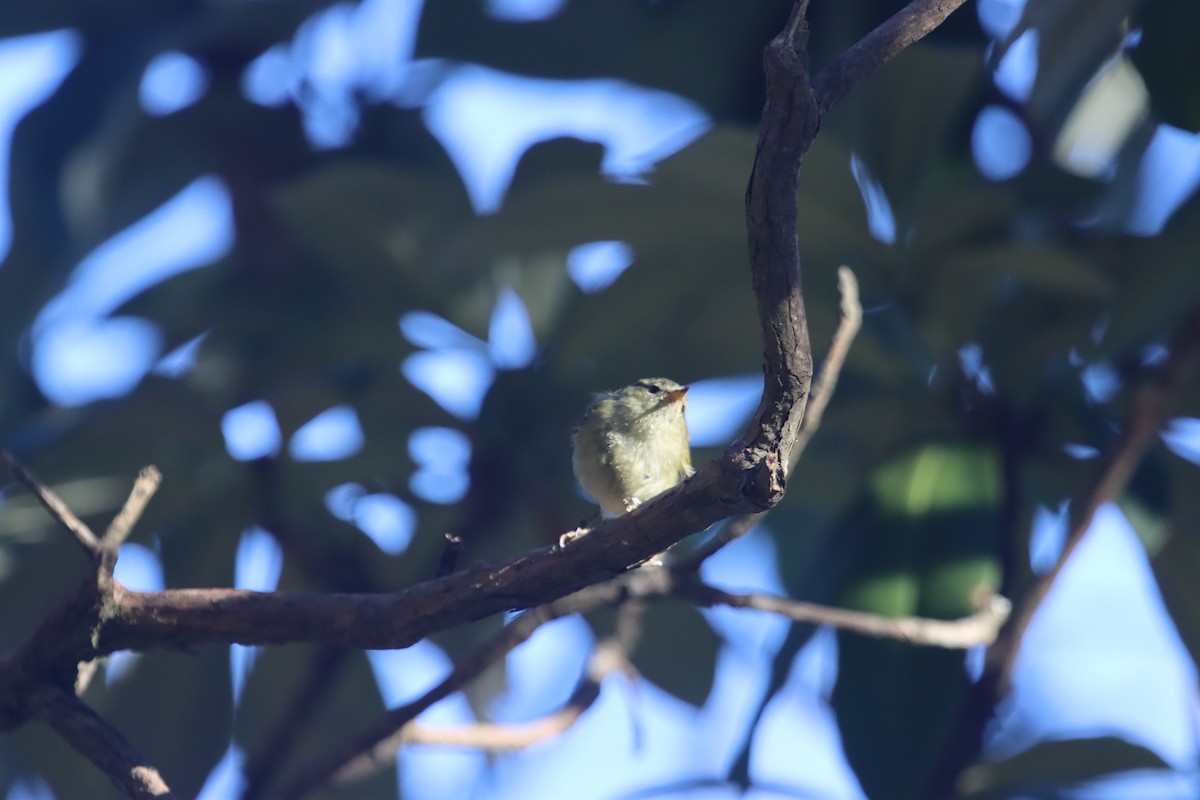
(1165, 56)
(1047, 767)
(915, 498)
(929, 533)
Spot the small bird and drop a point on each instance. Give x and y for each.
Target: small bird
(632, 445)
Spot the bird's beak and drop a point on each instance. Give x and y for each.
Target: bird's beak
(675, 395)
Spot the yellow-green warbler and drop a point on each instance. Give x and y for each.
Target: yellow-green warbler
(633, 445)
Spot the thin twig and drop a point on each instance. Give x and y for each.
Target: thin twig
(53, 504)
(50, 653)
(375, 748)
(856, 64)
(1147, 416)
(451, 552)
(957, 634)
(147, 483)
(610, 656)
(849, 324)
(83, 677)
(100, 743)
(1150, 409)
(494, 737)
(378, 743)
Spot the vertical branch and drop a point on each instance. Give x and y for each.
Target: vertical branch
(789, 123)
(143, 489)
(795, 103)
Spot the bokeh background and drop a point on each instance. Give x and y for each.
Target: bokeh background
(347, 274)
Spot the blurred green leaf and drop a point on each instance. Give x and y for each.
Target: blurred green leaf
(677, 651)
(1147, 502)
(336, 693)
(1176, 560)
(155, 684)
(1074, 38)
(1154, 281)
(709, 51)
(1166, 59)
(17, 19)
(938, 479)
(1056, 764)
(925, 94)
(928, 547)
(1175, 568)
(894, 706)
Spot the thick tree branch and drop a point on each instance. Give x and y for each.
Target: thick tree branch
(106, 617)
(42, 678)
(791, 117)
(789, 122)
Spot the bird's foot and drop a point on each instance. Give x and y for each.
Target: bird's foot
(571, 536)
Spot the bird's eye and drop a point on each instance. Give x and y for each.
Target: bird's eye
(651, 388)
